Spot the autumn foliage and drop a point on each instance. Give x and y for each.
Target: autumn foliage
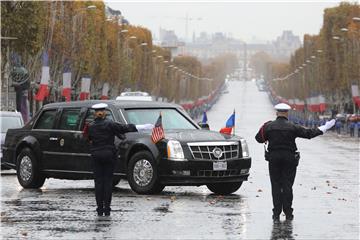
(79, 35)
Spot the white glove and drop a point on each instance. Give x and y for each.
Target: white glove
(144, 126)
(327, 126)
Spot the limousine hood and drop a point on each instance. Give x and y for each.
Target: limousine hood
(198, 135)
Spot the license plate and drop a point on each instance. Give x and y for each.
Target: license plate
(218, 166)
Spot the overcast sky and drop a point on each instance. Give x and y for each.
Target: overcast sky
(261, 21)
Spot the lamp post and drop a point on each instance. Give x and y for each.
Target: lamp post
(7, 68)
(143, 68)
(78, 13)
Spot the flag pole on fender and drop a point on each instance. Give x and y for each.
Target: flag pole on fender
(234, 122)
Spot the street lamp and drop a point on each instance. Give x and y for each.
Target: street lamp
(75, 19)
(336, 38)
(91, 7)
(133, 37)
(344, 29)
(319, 51)
(124, 31)
(356, 19)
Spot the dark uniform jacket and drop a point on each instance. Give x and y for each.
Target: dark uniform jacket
(102, 132)
(281, 134)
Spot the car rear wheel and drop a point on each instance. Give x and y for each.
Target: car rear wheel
(143, 174)
(224, 188)
(28, 172)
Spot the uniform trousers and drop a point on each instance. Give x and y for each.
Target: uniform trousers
(104, 161)
(282, 169)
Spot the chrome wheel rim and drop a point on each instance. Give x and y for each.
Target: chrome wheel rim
(25, 168)
(143, 172)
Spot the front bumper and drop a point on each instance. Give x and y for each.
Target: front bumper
(200, 172)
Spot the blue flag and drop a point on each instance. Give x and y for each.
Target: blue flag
(204, 119)
(231, 121)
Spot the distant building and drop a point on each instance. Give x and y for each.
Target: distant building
(207, 46)
(168, 39)
(285, 45)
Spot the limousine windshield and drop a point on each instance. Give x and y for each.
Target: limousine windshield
(171, 118)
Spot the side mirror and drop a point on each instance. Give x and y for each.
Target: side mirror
(204, 126)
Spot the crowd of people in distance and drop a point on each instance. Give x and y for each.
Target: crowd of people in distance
(346, 124)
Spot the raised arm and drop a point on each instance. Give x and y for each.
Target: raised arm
(307, 132)
(119, 129)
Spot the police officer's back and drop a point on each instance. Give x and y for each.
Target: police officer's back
(101, 134)
(283, 157)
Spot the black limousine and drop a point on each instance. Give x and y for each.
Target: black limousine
(52, 145)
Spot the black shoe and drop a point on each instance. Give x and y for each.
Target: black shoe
(289, 217)
(107, 214)
(276, 218)
(100, 211)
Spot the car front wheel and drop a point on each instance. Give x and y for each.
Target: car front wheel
(224, 188)
(28, 172)
(143, 174)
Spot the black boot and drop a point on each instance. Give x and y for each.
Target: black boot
(289, 214)
(100, 212)
(276, 218)
(107, 211)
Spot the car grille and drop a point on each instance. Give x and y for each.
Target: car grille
(224, 173)
(206, 151)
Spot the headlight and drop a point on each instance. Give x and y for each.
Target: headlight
(175, 151)
(244, 148)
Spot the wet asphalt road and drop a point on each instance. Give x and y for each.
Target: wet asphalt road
(326, 195)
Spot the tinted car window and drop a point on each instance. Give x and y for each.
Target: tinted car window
(46, 120)
(171, 118)
(70, 119)
(10, 122)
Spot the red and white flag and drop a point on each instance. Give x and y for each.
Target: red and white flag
(322, 103)
(313, 104)
(85, 88)
(43, 91)
(66, 91)
(158, 132)
(355, 94)
(292, 103)
(299, 105)
(105, 92)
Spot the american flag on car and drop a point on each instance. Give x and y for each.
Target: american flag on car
(158, 132)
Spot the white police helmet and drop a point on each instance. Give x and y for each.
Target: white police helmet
(282, 107)
(99, 106)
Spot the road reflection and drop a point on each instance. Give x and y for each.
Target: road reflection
(102, 224)
(282, 230)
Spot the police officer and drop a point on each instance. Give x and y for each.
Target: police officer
(101, 134)
(283, 157)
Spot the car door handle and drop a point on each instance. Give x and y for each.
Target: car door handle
(53, 139)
